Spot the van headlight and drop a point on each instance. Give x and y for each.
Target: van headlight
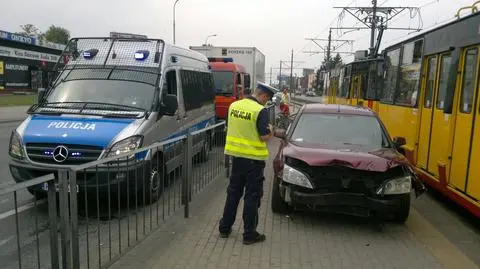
(295, 177)
(15, 148)
(124, 146)
(399, 185)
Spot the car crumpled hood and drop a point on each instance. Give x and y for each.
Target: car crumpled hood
(379, 160)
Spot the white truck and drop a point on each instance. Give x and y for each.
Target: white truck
(249, 57)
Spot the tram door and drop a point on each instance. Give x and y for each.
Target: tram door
(439, 137)
(466, 153)
(430, 74)
(433, 135)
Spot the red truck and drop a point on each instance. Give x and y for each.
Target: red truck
(230, 80)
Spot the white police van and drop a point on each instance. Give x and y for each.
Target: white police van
(110, 97)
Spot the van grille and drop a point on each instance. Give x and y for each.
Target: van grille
(77, 154)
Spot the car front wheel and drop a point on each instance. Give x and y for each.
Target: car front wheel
(278, 204)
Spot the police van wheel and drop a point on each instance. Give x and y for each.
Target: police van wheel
(153, 183)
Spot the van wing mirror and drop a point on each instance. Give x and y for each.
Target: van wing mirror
(170, 104)
(247, 83)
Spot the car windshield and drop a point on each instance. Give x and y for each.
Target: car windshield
(340, 130)
(116, 92)
(223, 82)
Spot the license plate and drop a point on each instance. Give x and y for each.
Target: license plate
(45, 187)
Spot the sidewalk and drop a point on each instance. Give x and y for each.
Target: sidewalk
(13, 113)
(298, 241)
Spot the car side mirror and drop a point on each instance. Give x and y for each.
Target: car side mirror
(399, 141)
(280, 133)
(170, 104)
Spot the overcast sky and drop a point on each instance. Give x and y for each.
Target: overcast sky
(273, 26)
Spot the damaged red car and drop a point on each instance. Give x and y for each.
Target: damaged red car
(341, 159)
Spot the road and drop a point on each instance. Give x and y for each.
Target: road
(451, 221)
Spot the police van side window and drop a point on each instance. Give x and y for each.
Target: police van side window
(170, 87)
(197, 88)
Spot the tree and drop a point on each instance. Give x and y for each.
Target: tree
(337, 60)
(318, 84)
(29, 30)
(57, 34)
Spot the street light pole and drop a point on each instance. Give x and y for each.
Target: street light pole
(174, 6)
(206, 39)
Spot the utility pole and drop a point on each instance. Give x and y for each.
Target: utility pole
(291, 61)
(291, 72)
(329, 46)
(378, 18)
(271, 73)
(280, 76)
(328, 50)
(372, 28)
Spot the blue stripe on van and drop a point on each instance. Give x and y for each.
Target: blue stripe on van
(168, 147)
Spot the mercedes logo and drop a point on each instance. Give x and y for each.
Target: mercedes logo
(60, 154)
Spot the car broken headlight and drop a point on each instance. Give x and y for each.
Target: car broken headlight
(399, 185)
(295, 177)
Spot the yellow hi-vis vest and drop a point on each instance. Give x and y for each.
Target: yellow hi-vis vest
(243, 139)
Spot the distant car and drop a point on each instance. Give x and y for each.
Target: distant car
(310, 93)
(340, 158)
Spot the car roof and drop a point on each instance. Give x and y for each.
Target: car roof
(337, 109)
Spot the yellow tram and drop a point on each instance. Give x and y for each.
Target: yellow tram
(428, 92)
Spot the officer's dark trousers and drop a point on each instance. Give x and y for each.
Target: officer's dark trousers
(246, 174)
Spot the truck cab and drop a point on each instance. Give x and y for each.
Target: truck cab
(232, 83)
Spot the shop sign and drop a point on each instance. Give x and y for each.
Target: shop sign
(16, 67)
(17, 38)
(27, 54)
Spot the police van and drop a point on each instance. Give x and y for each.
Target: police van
(112, 96)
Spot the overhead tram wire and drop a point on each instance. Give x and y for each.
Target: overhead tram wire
(403, 15)
(323, 30)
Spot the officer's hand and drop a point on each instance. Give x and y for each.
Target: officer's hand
(270, 127)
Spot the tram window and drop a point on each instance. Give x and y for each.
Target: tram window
(468, 84)
(391, 74)
(432, 70)
(443, 80)
(412, 52)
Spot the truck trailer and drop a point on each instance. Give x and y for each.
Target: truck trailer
(249, 57)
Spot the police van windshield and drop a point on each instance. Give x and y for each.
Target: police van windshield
(223, 82)
(126, 93)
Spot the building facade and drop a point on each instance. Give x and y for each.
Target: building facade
(26, 63)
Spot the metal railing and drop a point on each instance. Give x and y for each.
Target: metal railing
(96, 212)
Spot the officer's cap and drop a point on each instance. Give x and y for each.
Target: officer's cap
(266, 89)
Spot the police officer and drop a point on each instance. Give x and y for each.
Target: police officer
(247, 133)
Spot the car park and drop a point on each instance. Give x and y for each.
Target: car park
(340, 158)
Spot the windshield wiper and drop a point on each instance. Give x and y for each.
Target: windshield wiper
(121, 116)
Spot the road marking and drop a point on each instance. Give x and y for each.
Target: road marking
(20, 209)
(446, 253)
(5, 241)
